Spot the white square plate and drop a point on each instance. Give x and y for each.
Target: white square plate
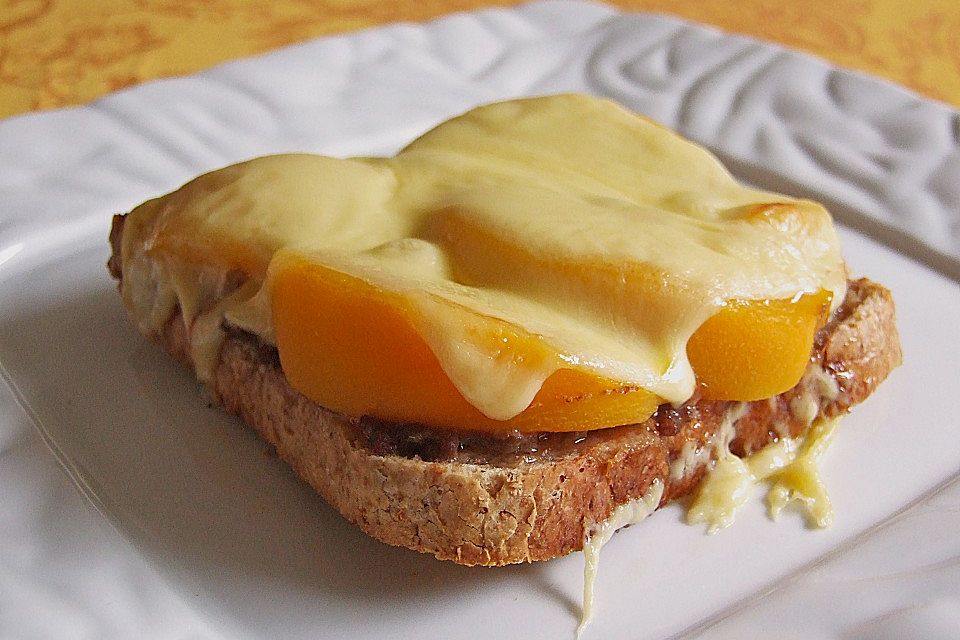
(219, 539)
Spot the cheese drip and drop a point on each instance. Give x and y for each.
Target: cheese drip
(607, 235)
(790, 466)
(599, 534)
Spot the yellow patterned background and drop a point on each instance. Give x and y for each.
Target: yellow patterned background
(55, 53)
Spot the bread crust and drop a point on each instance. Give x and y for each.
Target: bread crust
(532, 508)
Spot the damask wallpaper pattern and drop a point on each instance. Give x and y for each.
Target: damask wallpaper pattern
(56, 53)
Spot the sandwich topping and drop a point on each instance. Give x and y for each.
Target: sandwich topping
(544, 264)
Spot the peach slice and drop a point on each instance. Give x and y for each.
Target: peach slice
(756, 349)
(353, 348)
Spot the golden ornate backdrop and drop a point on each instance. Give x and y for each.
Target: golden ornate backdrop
(55, 53)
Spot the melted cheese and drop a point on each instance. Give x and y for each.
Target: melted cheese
(789, 465)
(691, 457)
(800, 480)
(606, 234)
(727, 485)
(599, 534)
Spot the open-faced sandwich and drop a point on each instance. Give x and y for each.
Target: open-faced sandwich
(537, 322)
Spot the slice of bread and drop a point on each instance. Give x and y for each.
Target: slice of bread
(479, 499)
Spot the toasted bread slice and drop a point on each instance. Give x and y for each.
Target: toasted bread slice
(482, 499)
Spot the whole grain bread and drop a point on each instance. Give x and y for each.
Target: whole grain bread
(477, 499)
